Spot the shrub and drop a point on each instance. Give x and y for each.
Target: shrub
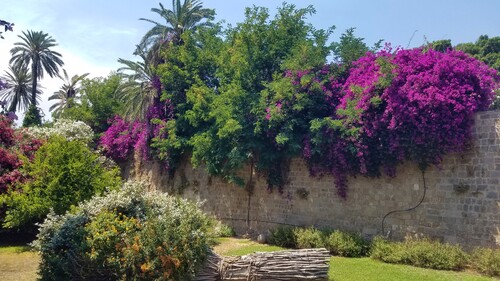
(222, 230)
(69, 129)
(486, 261)
(61, 174)
(129, 234)
(346, 244)
(337, 242)
(386, 251)
(283, 237)
(309, 238)
(420, 252)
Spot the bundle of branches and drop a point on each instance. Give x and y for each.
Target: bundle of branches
(295, 265)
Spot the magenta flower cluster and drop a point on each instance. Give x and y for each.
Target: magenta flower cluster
(122, 138)
(408, 105)
(14, 146)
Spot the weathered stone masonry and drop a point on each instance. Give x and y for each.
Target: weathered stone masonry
(462, 202)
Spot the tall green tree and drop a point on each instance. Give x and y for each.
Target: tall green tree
(350, 47)
(17, 89)
(182, 17)
(35, 50)
(255, 53)
(67, 94)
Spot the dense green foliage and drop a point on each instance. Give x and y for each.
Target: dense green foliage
(485, 49)
(129, 234)
(62, 173)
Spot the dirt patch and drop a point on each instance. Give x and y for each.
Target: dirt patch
(19, 266)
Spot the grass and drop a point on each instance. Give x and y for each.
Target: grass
(18, 263)
(360, 269)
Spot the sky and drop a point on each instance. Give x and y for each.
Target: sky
(93, 34)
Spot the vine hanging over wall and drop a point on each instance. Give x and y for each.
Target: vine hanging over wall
(262, 92)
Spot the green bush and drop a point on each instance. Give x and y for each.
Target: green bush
(309, 238)
(222, 230)
(386, 251)
(420, 252)
(486, 261)
(337, 242)
(61, 174)
(128, 234)
(346, 244)
(283, 237)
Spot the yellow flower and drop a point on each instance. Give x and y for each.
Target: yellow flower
(145, 267)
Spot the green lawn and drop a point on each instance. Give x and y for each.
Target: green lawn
(17, 263)
(359, 269)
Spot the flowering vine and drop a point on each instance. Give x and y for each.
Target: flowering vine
(410, 105)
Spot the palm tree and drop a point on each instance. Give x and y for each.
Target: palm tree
(67, 93)
(35, 50)
(137, 92)
(181, 18)
(18, 88)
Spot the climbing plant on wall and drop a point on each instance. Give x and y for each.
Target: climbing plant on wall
(262, 92)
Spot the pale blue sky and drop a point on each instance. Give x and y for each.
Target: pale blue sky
(93, 34)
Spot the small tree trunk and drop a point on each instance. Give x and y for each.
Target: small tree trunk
(294, 265)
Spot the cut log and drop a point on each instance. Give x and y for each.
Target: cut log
(291, 265)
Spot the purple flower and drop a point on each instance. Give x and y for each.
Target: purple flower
(12, 116)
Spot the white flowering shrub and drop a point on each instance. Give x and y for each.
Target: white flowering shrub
(69, 129)
(128, 234)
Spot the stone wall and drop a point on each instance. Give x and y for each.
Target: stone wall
(461, 203)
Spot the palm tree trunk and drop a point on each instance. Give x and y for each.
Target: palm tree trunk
(12, 107)
(34, 75)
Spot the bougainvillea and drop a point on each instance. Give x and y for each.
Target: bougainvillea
(16, 146)
(411, 105)
(122, 137)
